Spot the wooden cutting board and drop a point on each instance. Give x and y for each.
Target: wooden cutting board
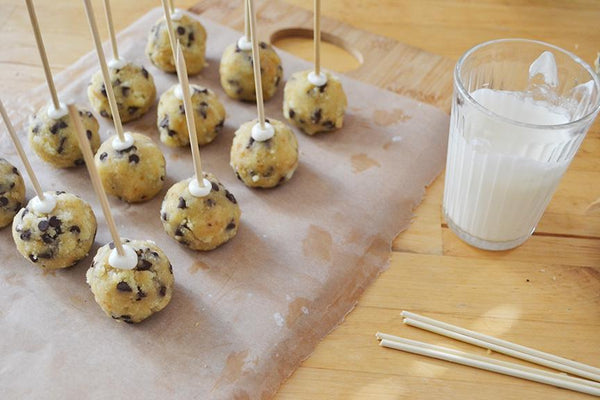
(385, 62)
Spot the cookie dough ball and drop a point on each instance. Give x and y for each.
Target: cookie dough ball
(209, 116)
(313, 108)
(132, 295)
(268, 163)
(54, 140)
(12, 192)
(237, 74)
(191, 35)
(134, 92)
(134, 174)
(200, 223)
(57, 239)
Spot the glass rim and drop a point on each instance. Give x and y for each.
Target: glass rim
(460, 86)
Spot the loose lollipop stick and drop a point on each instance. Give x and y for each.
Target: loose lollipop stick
(22, 155)
(111, 29)
(104, 68)
(43, 56)
(191, 125)
(84, 144)
(256, 63)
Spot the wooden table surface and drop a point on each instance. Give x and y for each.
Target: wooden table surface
(544, 294)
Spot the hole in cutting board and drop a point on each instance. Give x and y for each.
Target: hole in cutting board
(336, 54)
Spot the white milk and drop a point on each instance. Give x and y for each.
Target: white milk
(501, 176)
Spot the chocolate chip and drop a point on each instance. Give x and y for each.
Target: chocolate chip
(117, 81)
(103, 90)
(237, 48)
(182, 109)
(89, 114)
(178, 231)
(191, 38)
(171, 268)
(104, 113)
(210, 202)
(220, 125)
(3, 201)
(123, 287)
(163, 216)
(143, 265)
(15, 171)
(172, 132)
(132, 110)
(75, 229)
(281, 180)
(230, 226)
(125, 90)
(89, 134)
(237, 174)
(33, 258)
(316, 117)
(214, 185)
(203, 90)
(103, 156)
(203, 109)
(140, 294)
(180, 30)
(59, 192)
(58, 126)
(145, 72)
(111, 245)
(291, 113)
(47, 238)
(54, 222)
(322, 88)
(79, 161)
(250, 142)
(329, 124)
(277, 81)
(164, 123)
(43, 225)
(262, 45)
(26, 235)
(163, 290)
(134, 158)
(36, 128)
(233, 82)
(230, 197)
(182, 204)
(46, 255)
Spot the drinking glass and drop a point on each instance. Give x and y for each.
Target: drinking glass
(520, 110)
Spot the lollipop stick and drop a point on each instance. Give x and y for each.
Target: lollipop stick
(317, 36)
(19, 147)
(189, 114)
(43, 56)
(111, 29)
(104, 68)
(256, 62)
(171, 6)
(84, 144)
(246, 21)
(172, 39)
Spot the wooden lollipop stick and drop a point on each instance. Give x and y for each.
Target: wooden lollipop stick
(22, 155)
(317, 36)
(86, 149)
(43, 56)
(170, 31)
(246, 21)
(189, 114)
(111, 29)
(256, 58)
(171, 6)
(104, 68)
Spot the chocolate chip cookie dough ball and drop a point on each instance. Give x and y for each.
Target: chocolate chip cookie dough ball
(200, 223)
(53, 138)
(237, 74)
(132, 295)
(12, 192)
(133, 87)
(314, 108)
(190, 33)
(135, 173)
(59, 238)
(264, 163)
(209, 116)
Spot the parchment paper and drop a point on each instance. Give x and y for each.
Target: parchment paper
(243, 316)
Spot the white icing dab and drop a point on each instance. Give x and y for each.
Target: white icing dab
(255, 178)
(56, 114)
(177, 14)
(119, 145)
(260, 135)
(317, 80)
(244, 44)
(198, 191)
(178, 92)
(545, 64)
(128, 260)
(44, 206)
(117, 64)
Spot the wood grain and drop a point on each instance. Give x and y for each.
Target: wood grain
(545, 294)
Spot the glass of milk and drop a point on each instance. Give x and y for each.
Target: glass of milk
(520, 110)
